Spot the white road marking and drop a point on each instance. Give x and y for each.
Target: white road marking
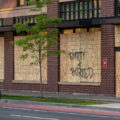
(7, 107)
(40, 111)
(24, 116)
(17, 108)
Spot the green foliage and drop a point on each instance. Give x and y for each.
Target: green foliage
(54, 100)
(39, 4)
(40, 38)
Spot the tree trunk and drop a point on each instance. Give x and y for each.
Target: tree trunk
(41, 87)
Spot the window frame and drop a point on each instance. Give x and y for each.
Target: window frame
(19, 3)
(84, 11)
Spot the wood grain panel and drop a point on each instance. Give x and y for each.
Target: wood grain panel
(24, 71)
(117, 35)
(1, 58)
(82, 60)
(117, 74)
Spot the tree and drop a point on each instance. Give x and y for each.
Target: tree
(39, 38)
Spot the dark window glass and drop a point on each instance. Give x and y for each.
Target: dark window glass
(20, 2)
(84, 9)
(1, 22)
(117, 8)
(76, 10)
(21, 20)
(118, 2)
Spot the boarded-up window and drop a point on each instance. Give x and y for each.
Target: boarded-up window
(82, 61)
(68, 31)
(1, 58)
(79, 30)
(117, 36)
(23, 71)
(21, 2)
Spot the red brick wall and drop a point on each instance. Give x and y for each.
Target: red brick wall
(53, 60)
(53, 9)
(1, 86)
(8, 59)
(107, 48)
(107, 8)
(28, 86)
(8, 21)
(8, 4)
(107, 86)
(89, 89)
(9, 69)
(107, 51)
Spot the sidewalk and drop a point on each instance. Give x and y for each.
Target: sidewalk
(114, 106)
(65, 95)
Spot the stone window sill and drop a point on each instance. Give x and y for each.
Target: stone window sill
(82, 83)
(27, 81)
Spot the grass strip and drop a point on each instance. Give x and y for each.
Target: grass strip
(53, 100)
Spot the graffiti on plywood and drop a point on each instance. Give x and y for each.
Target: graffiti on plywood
(86, 73)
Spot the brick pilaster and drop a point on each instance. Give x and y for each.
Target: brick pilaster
(53, 64)
(107, 51)
(107, 8)
(53, 9)
(8, 4)
(8, 21)
(8, 60)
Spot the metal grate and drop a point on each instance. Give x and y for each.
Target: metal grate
(20, 2)
(117, 7)
(83, 9)
(23, 19)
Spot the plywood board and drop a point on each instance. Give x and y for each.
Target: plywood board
(117, 35)
(82, 60)
(1, 58)
(118, 74)
(23, 70)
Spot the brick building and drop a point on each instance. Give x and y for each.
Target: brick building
(90, 35)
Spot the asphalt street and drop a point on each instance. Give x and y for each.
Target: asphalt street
(9, 113)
